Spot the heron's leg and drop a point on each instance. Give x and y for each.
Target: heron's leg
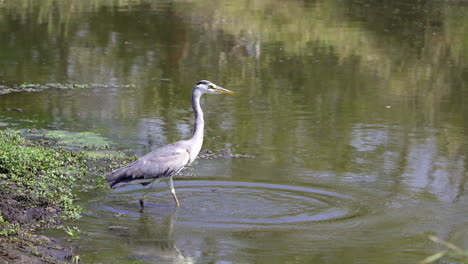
(142, 199)
(142, 202)
(170, 183)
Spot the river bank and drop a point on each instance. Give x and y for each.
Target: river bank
(39, 180)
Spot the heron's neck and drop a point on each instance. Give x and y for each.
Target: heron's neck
(199, 123)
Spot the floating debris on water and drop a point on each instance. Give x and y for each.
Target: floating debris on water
(33, 87)
(118, 228)
(221, 153)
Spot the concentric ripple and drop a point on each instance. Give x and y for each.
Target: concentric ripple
(228, 204)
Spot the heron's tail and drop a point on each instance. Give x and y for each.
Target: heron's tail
(119, 177)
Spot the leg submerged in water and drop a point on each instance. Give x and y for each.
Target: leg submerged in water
(142, 201)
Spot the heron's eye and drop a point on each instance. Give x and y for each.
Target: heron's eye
(211, 86)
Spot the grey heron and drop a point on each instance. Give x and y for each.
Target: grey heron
(163, 163)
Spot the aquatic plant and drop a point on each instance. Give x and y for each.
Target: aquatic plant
(451, 251)
(73, 232)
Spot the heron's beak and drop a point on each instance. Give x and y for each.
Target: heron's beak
(222, 90)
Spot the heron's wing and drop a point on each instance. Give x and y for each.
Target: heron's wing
(161, 163)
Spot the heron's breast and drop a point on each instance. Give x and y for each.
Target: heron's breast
(193, 153)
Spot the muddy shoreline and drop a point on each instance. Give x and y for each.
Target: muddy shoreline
(24, 245)
(35, 249)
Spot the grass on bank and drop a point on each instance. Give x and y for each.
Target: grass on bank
(34, 177)
(38, 184)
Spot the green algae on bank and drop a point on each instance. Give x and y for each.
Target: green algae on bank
(78, 139)
(93, 144)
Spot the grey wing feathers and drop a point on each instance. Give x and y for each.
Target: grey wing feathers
(161, 163)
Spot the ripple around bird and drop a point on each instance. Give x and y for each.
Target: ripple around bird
(243, 204)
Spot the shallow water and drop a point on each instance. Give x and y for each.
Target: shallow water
(354, 114)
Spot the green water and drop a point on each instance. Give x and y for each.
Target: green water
(354, 112)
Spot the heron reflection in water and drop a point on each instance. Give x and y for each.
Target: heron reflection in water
(150, 238)
(163, 163)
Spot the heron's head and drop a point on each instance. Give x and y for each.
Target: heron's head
(209, 87)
